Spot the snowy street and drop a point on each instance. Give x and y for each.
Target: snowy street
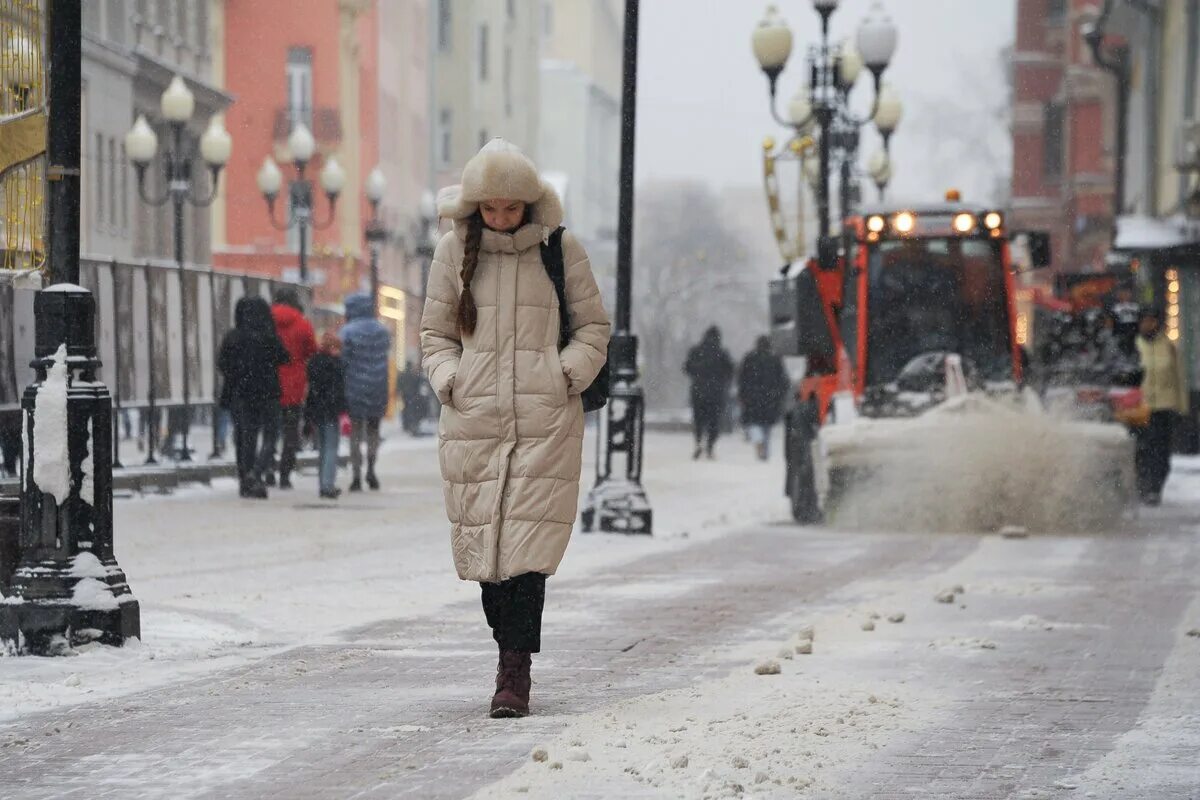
(302, 649)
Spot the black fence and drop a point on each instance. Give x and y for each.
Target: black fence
(139, 331)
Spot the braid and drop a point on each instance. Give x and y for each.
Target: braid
(467, 312)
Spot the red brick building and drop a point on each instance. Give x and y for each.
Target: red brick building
(298, 60)
(1063, 133)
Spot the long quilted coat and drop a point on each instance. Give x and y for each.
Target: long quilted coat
(511, 431)
(366, 345)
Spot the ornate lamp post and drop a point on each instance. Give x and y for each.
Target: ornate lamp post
(376, 233)
(879, 167)
(822, 108)
(301, 146)
(141, 145)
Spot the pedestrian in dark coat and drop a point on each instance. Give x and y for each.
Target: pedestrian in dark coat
(762, 389)
(249, 359)
(297, 335)
(366, 345)
(410, 385)
(710, 367)
(324, 407)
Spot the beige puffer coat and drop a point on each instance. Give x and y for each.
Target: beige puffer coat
(511, 432)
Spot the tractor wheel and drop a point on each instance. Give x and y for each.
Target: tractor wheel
(801, 478)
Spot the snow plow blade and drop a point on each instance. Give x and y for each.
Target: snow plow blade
(975, 463)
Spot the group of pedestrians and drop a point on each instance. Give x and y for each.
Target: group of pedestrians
(277, 378)
(762, 388)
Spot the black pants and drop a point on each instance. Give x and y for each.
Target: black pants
(290, 418)
(514, 611)
(252, 423)
(1154, 453)
(706, 422)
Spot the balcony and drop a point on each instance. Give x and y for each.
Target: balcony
(324, 122)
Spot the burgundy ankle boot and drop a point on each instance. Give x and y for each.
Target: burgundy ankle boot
(512, 685)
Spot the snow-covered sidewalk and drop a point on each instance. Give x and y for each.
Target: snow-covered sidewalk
(222, 580)
(329, 652)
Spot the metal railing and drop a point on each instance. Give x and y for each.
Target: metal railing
(139, 333)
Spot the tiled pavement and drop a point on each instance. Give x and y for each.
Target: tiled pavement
(396, 709)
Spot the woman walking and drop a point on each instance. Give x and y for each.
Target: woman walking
(324, 406)
(710, 367)
(249, 360)
(511, 430)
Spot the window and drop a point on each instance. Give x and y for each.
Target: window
(299, 86)
(444, 138)
(483, 52)
(124, 190)
(1056, 12)
(445, 42)
(115, 21)
(112, 182)
(1053, 130)
(98, 166)
(508, 104)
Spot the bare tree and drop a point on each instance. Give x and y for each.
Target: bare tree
(692, 272)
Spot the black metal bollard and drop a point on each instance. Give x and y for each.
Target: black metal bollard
(68, 588)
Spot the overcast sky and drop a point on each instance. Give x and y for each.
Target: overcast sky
(702, 107)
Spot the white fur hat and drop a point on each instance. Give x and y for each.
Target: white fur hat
(501, 170)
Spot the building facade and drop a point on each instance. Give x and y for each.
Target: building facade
(1063, 140)
(131, 51)
(580, 126)
(486, 79)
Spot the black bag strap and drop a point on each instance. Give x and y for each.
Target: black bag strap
(552, 259)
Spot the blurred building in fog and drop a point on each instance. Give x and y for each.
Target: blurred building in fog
(131, 50)
(356, 72)
(1063, 140)
(485, 79)
(580, 127)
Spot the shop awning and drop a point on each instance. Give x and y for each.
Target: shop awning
(1140, 233)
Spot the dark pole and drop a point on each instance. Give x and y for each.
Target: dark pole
(63, 141)
(619, 504)
(1122, 134)
(625, 201)
(301, 199)
(375, 235)
(177, 174)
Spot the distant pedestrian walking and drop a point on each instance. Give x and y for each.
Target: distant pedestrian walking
(1164, 390)
(325, 404)
(249, 359)
(511, 445)
(366, 345)
(710, 367)
(410, 385)
(762, 389)
(298, 337)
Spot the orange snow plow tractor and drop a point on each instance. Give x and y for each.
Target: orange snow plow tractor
(913, 407)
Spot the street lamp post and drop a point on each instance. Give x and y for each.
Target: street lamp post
(302, 146)
(618, 503)
(141, 144)
(376, 233)
(822, 108)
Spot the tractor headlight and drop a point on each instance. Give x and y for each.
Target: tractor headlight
(993, 220)
(904, 222)
(875, 224)
(964, 223)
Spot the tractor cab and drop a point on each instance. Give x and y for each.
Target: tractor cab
(906, 288)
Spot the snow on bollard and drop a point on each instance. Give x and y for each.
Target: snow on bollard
(52, 469)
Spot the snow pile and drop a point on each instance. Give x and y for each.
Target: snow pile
(982, 471)
(52, 469)
(741, 736)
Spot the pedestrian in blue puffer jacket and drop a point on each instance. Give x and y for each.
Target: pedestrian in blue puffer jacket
(366, 347)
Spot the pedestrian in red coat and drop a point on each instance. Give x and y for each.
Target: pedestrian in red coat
(300, 340)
